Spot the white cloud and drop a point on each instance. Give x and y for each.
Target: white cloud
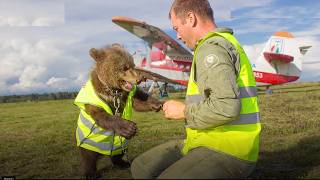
(29, 79)
(286, 12)
(47, 21)
(253, 51)
(311, 61)
(311, 31)
(260, 25)
(40, 66)
(20, 21)
(63, 84)
(52, 53)
(224, 9)
(152, 12)
(17, 21)
(31, 13)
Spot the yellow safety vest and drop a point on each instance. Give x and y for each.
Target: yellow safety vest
(88, 134)
(239, 138)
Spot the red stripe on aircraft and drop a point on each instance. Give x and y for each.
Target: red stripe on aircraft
(273, 79)
(182, 82)
(278, 57)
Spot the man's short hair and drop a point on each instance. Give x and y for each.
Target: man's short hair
(199, 7)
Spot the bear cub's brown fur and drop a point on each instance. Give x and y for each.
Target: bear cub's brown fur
(114, 72)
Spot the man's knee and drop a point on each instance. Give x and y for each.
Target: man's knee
(151, 163)
(139, 169)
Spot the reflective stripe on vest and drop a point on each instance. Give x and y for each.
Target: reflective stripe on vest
(245, 92)
(91, 136)
(93, 128)
(103, 146)
(240, 137)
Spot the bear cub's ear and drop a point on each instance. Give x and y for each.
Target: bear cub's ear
(96, 54)
(117, 46)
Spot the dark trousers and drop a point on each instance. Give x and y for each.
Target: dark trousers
(165, 161)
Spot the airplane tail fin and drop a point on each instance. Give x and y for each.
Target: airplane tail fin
(280, 60)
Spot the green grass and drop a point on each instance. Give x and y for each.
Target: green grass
(37, 138)
(290, 139)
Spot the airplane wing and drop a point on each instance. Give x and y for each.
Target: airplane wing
(153, 35)
(154, 76)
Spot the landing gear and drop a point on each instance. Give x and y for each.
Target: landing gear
(163, 90)
(155, 89)
(269, 90)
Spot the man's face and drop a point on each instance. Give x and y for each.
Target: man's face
(184, 30)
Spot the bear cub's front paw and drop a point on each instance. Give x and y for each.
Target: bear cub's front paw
(122, 127)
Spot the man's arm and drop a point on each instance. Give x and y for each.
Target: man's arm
(216, 79)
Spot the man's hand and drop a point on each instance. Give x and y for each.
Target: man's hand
(174, 109)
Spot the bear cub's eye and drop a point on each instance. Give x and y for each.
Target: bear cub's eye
(126, 68)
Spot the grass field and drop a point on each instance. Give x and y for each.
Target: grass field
(37, 138)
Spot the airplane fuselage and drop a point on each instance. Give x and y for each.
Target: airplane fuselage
(179, 71)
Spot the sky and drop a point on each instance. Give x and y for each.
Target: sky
(44, 44)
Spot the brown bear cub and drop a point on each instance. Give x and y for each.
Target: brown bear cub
(105, 102)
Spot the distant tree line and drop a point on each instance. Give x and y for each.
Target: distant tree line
(38, 97)
(66, 95)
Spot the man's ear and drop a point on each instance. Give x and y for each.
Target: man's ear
(191, 18)
(97, 55)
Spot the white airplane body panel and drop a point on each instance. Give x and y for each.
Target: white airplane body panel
(280, 61)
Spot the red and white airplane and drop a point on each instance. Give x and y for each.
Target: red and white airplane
(280, 61)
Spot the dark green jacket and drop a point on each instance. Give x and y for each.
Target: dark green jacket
(217, 66)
